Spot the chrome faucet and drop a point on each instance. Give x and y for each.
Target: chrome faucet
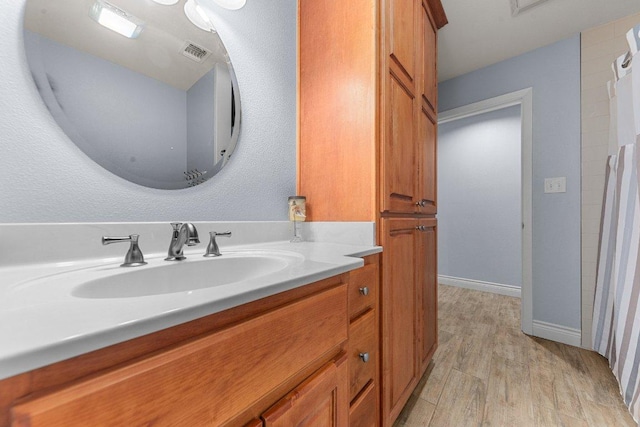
(183, 234)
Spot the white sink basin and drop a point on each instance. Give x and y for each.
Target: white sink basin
(184, 276)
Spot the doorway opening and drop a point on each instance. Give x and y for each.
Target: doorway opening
(524, 100)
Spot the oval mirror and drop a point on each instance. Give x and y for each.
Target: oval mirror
(144, 88)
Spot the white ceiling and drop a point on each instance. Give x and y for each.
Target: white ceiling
(157, 53)
(483, 32)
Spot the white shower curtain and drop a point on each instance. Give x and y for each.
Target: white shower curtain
(616, 310)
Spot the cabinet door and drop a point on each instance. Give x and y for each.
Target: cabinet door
(320, 401)
(400, 170)
(429, 76)
(427, 291)
(401, 42)
(428, 162)
(398, 293)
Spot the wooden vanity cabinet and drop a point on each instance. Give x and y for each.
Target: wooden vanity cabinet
(231, 368)
(367, 151)
(279, 361)
(211, 380)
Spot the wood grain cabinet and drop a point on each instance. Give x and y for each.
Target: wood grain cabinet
(427, 282)
(410, 106)
(280, 361)
(211, 380)
(368, 108)
(363, 348)
(367, 151)
(409, 312)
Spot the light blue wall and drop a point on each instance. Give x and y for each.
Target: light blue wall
(479, 198)
(46, 178)
(554, 74)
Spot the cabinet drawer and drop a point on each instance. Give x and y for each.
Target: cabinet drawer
(207, 381)
(363, 412)
(363, 289)
(363, 352)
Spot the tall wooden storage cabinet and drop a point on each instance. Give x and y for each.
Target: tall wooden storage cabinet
(367, 152)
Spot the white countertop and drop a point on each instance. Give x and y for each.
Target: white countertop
(41, 322)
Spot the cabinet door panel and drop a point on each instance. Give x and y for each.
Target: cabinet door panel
(401, 35)
(398, 314)
(428, 292)
(400, 169)
(427, 147)
(429, 59)
(320, 401)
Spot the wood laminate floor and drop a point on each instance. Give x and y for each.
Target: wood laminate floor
(486, 372)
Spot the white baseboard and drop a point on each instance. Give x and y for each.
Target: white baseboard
(477, 285)
(553, 332)
(549, 331)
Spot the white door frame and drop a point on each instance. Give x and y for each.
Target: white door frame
(524, 98)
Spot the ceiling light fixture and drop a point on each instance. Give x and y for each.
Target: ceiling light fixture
(231, 4)
(198, 16)
(116, 19)
(518, 6)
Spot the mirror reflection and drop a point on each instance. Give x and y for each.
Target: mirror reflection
(145, 89)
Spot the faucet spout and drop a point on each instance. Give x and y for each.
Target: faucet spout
(183, 234)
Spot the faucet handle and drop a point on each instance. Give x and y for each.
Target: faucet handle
(134, 256)
(212, 248)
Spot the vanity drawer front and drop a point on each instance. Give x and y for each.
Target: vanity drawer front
(363, 411)
(207, 381)
(363, 352)
(363, 289)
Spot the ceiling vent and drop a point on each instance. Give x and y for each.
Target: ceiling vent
(518, 6)
(195, 52)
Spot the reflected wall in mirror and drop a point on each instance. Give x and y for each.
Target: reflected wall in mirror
(159, 106)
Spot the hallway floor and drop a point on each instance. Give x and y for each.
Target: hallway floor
(486, 372)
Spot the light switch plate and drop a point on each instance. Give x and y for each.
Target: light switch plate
(555, 185)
